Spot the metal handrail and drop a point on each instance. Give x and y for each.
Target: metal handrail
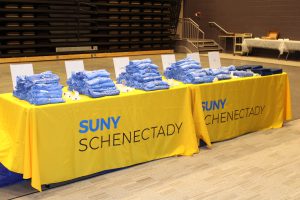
(220, 28)
(191, 31)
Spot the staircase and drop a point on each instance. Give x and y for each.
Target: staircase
(191, 38)
(238, 38)
(206, 45)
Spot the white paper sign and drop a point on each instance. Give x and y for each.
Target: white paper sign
(120, 64)
(167, 60)
(214, 59)
(73, 66)
(194, 56)
(20, 70)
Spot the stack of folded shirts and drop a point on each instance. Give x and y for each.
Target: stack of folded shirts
(222, 73)
(276, 71)
(258, 69)
(223, 77)
(39, 89)
(221, 70)
(190, 71)
(92, 83)
(263, 71)
(248, 67)
(142, 74)
(267, 71)
(243, 73)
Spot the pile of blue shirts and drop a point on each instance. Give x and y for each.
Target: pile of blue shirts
(93, 83)
(243, 73)
(143, 75)
(189, 71)
(39, 89)
(222, 73)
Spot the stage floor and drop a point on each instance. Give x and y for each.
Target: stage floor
(291, 67)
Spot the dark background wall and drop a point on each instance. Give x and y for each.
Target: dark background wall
(254, 16)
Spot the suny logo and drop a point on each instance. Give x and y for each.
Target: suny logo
(93, 125)
(214, 105)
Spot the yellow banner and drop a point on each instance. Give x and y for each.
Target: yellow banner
(235, 107)
(55, 143)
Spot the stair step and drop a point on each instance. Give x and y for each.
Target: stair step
(209, 49)
(206, 40)
(208, 45)
(205, 45)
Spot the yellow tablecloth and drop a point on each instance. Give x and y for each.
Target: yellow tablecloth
(238, 106)
(59, 142)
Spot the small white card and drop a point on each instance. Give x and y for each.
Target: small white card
(194, 56)
(20, 70)
(120, 64)
(214, 59)
(167, 60)
(123, 88)
(172, 82)
(67, 94)
(75, 98)
(73, 66)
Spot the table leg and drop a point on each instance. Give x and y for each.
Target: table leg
(279, 56)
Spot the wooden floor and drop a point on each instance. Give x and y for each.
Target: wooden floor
(261, 165)
(291, 67)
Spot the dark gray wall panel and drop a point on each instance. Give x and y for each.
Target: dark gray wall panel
(254, 16)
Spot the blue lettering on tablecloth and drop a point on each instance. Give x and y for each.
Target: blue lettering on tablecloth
(101, 124)
(213, 105)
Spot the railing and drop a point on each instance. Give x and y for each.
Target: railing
(191, 31)
(220, 28)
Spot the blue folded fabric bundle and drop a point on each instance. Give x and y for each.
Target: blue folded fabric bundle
(215, 72)
(190, 71)
(93, 83)
(248, 67)
(259, 69)
(267, 71)
(243, 73)
(186, 70)
(44, 78)
(207, 79)
(223, 77)
(256, 67)
(156, 85)
(107, 92)
(276, 71)
(229, 68)
(101, 86)
(143, 75)
(39, 89)
(45, 93)
(141, 66)
(97, 73)
(43, 100)
(263, 71)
